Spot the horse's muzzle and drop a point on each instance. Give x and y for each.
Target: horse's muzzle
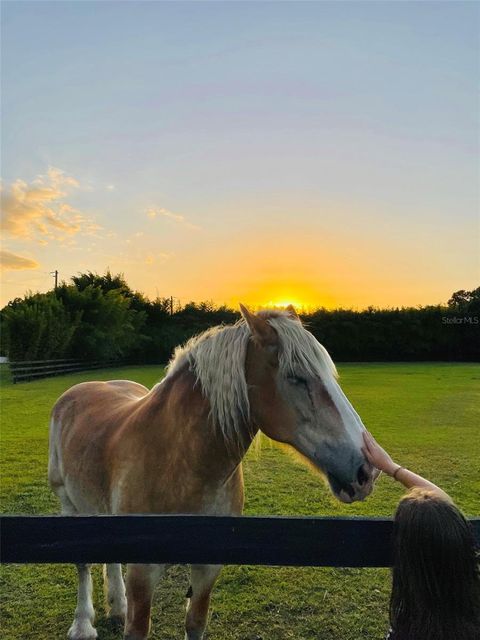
(357, 490)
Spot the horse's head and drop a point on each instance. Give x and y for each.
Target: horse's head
(295, 398)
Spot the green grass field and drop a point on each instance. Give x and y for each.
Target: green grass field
(426, 415)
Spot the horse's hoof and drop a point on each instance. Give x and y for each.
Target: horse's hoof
(82, 630)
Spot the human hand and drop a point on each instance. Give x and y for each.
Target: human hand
(377, 456)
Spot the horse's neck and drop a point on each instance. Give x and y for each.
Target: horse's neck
(186, 430)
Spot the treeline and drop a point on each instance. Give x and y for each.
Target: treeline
(99, 317)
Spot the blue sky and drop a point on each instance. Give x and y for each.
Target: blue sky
(318, 152)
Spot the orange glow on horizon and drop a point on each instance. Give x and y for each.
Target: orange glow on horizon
(302, 296)
(298, 305)
(284, 303)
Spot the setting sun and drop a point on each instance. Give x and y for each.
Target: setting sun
(285, 303)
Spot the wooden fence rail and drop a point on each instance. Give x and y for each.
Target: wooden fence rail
(196, 539)
(24, 370)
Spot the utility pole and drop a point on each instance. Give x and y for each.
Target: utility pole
(171, 305)
(55, 274)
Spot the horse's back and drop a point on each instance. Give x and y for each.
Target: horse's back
(84, 421)
(97, 400)
(126, 389)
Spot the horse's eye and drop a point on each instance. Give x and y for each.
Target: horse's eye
(296, 380)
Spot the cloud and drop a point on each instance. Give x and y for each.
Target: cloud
(11, 261)
(160, 212)
(153, 212)
(159, 258)
(38, 210)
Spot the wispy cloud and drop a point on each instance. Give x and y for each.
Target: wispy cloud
(39, 211)
(14, 262)
(157, 258)
(134, 238)
(160, 212)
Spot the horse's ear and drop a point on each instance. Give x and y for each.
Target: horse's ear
(291, 312)
(259, 327)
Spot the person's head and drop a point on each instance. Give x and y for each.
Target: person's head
(436, 580)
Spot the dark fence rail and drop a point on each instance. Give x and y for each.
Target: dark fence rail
(195, 539)
(24, 370)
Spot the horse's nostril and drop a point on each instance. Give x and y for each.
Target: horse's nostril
(349, 490)
(362, 476)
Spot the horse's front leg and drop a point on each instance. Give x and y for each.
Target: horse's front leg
(82, 627)
(203, 578)
(141, 582)
(114, 587)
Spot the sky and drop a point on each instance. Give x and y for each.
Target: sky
(320, 153)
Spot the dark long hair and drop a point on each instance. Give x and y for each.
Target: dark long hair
(436, 579)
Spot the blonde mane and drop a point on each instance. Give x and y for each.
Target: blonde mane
(217, 358)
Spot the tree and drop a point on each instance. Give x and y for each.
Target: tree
(465, 301)
(38, 327)
(107, 282)
(109, 329)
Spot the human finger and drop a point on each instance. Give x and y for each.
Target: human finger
(366, 444)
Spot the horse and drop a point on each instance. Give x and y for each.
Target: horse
(119, 448)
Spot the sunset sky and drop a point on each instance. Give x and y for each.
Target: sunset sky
(321, 153)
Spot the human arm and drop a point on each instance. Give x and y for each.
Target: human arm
(380, 459)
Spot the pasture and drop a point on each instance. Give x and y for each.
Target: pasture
(426, 415)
